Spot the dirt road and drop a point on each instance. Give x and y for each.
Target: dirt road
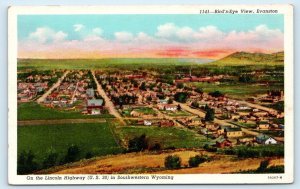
(108, 103)
(257, 106)
(218, 121)
(43, 97)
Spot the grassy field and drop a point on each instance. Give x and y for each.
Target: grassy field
(177, 113)
(117, 63)
(237, 90)
(143, 110)
(89, 137)
(35, 111)
(167, 137)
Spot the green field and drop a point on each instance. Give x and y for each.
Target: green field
(95, 138)
(237, 90)
(35, 111)
(166, 137)
(113, 63)
(177, 113)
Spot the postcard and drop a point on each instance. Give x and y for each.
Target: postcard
(150, 94)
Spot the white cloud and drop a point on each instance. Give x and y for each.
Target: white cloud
(166, 30)
(78, 27)
(209, 32)
(123, 36)
(172, 32)
(97, 31)
(44, 34)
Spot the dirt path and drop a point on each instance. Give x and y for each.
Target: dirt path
(108, 103)
(43, 97)
(59, 121)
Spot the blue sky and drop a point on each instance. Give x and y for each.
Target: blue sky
(166, 35)
(145, 23)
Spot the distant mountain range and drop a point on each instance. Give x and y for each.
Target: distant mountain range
(246, 58)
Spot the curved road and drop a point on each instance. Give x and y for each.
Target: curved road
(108, 103)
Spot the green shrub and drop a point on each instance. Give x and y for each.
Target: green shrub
(50, 160)
(26, 163)
(195, 161)
(72, 154)
(263, 166)
(89, 155)
(172, 162)
(138, 144)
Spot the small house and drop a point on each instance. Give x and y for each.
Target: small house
(265, 139)
(263, 125)
(147, 122)
(221, 129)
(231, 132)
(134, 113)
(94, 106)
(166, 123)
(221, 142)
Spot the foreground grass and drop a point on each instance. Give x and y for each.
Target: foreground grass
(35, 111)
(94, 138)
(167, 137)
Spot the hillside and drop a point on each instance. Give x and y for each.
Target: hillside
(146, 162)
(246, 58)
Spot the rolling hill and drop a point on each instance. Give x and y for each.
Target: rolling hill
(246, 58)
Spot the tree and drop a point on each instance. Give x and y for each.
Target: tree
(72, 154)
(195, 161)
(178, 107)
(195, 104)
(143, 86)
(181, 97)
(180, 85)
(156, 147)
(26, 163)
(88, 155)
(210, 114)
(170, 101)
(172, 162)
(199, 90)
(50, 160)
(216, 94)
(263, 166)
(138, 144)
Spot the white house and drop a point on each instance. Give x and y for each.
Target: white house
(270, 141)
(265, 139)
(147, 123)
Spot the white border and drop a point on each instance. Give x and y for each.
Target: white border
(287, 10)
